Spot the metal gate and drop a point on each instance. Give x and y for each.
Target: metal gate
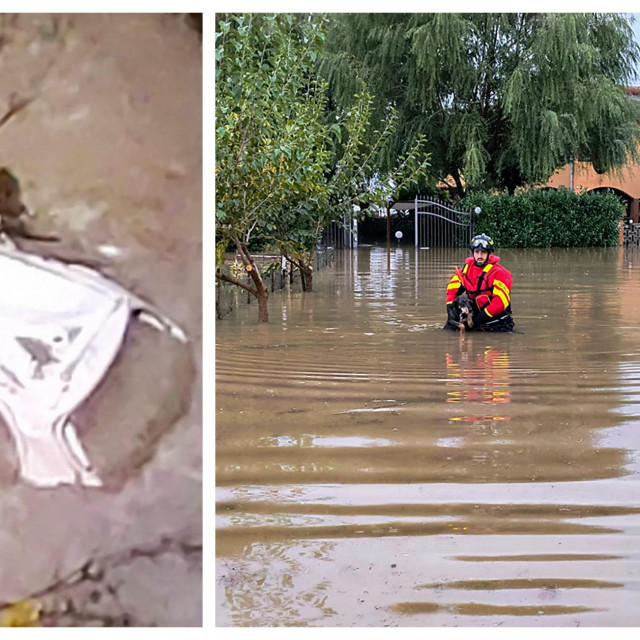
(440, 225)
(341, 235)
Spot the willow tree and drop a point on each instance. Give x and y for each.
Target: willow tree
(503, 99)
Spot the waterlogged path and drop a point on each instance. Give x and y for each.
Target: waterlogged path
(374, 470)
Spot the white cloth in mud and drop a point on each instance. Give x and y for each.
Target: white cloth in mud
(61, 326)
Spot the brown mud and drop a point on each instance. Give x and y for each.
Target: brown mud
(107, 146)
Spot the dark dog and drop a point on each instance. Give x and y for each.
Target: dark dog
(13, 211)
(462, 316)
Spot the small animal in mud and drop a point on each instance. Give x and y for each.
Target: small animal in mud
(11, 205)
(13, 210)
(460, 315)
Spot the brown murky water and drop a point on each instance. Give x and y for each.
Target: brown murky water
(375, 470)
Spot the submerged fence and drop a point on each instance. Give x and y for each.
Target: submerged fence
(276, 274)
(631, 234)
(341, 235)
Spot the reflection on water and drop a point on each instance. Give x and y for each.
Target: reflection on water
(374, 470)
(480, 378)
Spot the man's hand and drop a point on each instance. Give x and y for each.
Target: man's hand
(480, 317)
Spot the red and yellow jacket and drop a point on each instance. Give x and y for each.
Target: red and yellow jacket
(489, 286)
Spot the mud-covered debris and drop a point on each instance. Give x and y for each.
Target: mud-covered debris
(25, 613)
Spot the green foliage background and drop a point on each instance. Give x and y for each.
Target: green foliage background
(503, 99)
(538, 218)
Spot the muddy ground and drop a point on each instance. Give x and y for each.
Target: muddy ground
(101, 122)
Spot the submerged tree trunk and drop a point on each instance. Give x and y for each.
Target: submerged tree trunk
(305, 265)
(306, 273)
(263, 309)
(259, 290)
(262, 293)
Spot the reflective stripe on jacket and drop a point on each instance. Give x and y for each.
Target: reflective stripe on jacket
(489, 286)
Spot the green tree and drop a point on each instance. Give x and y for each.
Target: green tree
(503, 99)
(350, 185)
(267, 147)
(284, 170)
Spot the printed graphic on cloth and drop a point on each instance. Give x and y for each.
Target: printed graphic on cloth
(61, 327)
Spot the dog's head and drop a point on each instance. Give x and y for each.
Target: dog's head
(460, 314)
(464, 306)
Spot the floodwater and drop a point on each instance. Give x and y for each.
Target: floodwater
(374, 470)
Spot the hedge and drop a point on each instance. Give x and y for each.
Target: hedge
(549, 218)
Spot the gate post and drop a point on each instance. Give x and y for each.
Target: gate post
(415, 222)
(475, 212)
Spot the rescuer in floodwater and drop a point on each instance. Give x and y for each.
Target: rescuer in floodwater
(487, 284)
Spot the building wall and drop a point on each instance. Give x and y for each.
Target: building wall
(586, 179)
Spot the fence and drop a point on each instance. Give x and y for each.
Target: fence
(341, 236)
(276, 274)
(631, 234)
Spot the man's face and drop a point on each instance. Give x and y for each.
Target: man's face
(480, 257)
